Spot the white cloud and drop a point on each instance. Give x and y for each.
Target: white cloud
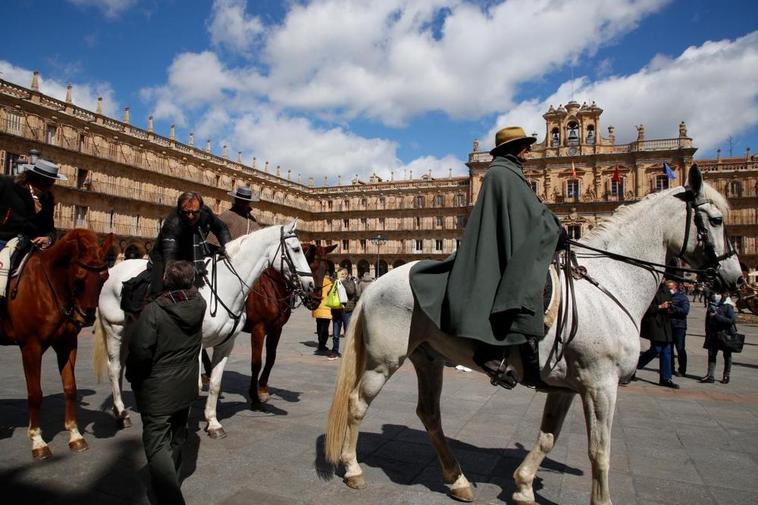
(230, 26)
(111, 9)
(84, 94)
(712, 87)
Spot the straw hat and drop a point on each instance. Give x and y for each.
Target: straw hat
(510, 135)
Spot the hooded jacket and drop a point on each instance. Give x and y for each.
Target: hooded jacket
(164, 345)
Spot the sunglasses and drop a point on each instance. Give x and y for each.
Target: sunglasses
(189, 212)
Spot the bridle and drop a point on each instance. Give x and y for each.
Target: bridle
(73, 312)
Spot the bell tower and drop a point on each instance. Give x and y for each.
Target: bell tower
(572, 125)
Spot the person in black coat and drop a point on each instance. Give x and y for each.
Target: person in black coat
(27, 205)
(720, 317)
(656, 327)
(680, 308)
(183, 237)
(162, 366)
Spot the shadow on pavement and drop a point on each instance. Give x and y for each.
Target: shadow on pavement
(409, 466)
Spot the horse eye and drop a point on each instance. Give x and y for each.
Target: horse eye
(716, 221)
(295, 249)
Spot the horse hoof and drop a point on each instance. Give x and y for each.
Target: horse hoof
(355, 482)
(41, 453)
(522, 502)
(217, 434)
(124, 422)
(263, 395)
(464, 494)
(78, 445)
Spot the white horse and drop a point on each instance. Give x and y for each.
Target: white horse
(249, 255)
(386, 328)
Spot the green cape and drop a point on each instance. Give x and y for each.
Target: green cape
(491, 288)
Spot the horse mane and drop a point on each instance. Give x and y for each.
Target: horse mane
(625, 213)
(234, 246)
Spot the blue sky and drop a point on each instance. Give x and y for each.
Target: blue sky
(331, 87)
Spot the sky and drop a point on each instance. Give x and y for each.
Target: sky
(334, 87)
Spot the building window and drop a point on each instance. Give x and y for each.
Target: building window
(420, 201)
(113, 150)
(52, 133)
(363, 245)
(345, 204)
(345, 245)
(533, 185)
(418, 222)
(381, 223)
(382, 201)
(591, 135)
(346, 223)
(364, 222)
(82, 179)
(329, 204)
(739, 244)
(10, 165)
(460, 200)
(364, 202)
(735, 189)
(318, 241)
(617, 188)
(555, 137)
(82, 142)
(457, 244)
(438, 245)
(439, 201)
(419, 245)
(573, 134)
(661, 182)
(80, 216)
(575, 231)
(572, 188)
(440, 221)
(460, 221)
(14, 122)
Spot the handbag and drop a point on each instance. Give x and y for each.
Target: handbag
(333, 298)
(731, 340)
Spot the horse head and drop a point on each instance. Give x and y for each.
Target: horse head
(708, 248)
(291, 261)
(86, 271)
(319, 264)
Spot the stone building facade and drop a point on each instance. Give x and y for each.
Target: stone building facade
(124, 180)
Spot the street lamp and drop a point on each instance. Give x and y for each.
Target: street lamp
(378, 240)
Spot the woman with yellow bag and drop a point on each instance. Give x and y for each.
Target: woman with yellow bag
(341, 299)
(323, 316)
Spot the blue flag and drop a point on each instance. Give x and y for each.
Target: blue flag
(667, 170)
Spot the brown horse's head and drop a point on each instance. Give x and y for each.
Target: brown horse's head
(316, 256)
(80, 260)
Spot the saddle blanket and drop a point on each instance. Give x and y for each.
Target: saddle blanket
(6, 253)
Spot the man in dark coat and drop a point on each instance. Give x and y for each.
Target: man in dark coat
(183, 236)
(162, 366)
(490, 290)
(656, 327)
(239, 218)
(680, 308)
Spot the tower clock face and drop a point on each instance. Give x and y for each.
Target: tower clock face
(572, 151)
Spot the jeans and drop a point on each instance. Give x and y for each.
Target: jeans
(663, 351)
(341, 319)
(679, 335)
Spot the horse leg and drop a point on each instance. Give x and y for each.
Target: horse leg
(599, 403)
(372, 381)
(556, 407)
(31, 355)
(220, 357)
(257, 337)
(272, 342)
(66, 354)
(116, 348)
(429, 373)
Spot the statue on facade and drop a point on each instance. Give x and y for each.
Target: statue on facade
(682, 129)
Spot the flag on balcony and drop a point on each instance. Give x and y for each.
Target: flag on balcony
(573, 172)
(667, 170)
(616, 175)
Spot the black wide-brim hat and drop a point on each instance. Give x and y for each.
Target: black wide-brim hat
(244, 193)
(46, 169)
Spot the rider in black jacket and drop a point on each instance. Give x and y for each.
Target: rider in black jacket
(183, 237)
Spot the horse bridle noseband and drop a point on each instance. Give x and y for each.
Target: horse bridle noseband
(713, 261)
(74, 310)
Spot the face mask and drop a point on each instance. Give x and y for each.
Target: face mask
(673, 291)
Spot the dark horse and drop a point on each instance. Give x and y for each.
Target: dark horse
(55, 296)
(269, 306)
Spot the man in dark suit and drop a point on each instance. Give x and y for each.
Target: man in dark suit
(656, 327)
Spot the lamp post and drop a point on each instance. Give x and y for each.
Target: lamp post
(378, 240)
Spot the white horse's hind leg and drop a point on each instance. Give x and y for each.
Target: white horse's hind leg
(371, 383)
(220, 357)
(116, 348)
(599, 403)
(556, 407)
(429, 373)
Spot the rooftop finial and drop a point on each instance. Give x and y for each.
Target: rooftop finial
(172, 133)
(35, 80)
(126, 115)
(239, 156)
(69, 94)
(208, 146)
(99, 109)
(150, 125)
(191, 140)
(225, 152)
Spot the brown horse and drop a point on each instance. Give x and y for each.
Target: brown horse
(269, 306)
(55, 297)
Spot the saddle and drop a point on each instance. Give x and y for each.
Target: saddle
(135, 293)
(11, 264)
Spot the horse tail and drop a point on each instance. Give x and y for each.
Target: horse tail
(350, 371)
(99, 356)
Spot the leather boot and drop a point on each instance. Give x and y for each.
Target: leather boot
(493, 360)
(531, 363)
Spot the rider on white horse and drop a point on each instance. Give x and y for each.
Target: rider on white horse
(491, 289)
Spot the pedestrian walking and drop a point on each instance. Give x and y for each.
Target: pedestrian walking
(323, 317)
(656, 327)
(680, 308)
(363, 283)
(348, 295)
(163, 368)
(720, 317)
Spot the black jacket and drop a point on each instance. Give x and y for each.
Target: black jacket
(720, 317)
(179, 241)
(164, 346)
(680, 308)
(656, 323)
(17, 216)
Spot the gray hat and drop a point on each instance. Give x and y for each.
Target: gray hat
(244, 193)
(45, 169)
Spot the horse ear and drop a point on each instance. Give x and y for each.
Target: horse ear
(292, 226)
(107, 244)
(695, 180)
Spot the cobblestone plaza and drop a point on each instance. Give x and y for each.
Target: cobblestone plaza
(694, 446)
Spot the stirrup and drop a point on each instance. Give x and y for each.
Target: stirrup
(504, 376)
